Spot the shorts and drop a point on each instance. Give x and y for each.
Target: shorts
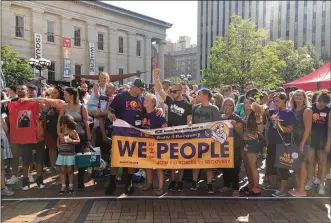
(270, 169)
(65, 160)
(252, 146)
(16, 150)
(317, 149)
(27, 152)
(50, 142)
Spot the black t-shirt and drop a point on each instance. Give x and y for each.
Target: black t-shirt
(319, 129)
(178, 111)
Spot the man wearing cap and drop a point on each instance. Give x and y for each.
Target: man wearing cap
(128, 106)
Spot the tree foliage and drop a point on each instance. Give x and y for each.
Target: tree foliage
(240, 57)
(14, 69)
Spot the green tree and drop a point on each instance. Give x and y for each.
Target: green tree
(14, 69)
(176, 80)
(240, 57)
(325, 56)
(298, 62)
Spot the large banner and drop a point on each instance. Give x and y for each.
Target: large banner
(200, 146)
(66, 57)
(38, 46)
(92, 59)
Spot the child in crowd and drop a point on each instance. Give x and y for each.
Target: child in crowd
(66, 157)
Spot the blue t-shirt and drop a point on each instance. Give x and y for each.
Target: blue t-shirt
(152, 121)
(286, 118)
(128, 108)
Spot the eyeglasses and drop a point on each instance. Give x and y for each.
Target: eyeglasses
(225, 90)
(174, 91)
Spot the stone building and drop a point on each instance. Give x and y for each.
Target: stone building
(83, 37)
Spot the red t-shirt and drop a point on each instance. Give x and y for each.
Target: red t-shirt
(23, 122)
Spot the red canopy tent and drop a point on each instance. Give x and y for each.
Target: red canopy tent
(318, 79)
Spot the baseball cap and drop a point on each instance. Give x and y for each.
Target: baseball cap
(139, 83)
(32, 86)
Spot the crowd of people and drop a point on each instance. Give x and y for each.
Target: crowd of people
(73, 120)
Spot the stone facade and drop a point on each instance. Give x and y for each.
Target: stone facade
(93, 19)
(181, 62)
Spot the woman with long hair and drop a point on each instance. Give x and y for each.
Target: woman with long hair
(252, 129)
(78, 111)
(218, 101)
(300, 106)
(231, 175)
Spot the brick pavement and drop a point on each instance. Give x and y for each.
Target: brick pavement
(163, 211)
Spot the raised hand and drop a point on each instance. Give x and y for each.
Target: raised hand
(156, 72)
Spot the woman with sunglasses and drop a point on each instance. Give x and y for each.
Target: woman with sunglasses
(301, 132)
(252, 128)
(280, 132)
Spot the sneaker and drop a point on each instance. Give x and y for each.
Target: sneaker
(309, 185)
(40, 182)
(321, 189)
(194, 186)
(317, 181)
(147, 187)
(210, 189)
(160, 191)
(13, 180)
(172, 186)
(31, 179)
(25, 188)
(278, 194)
(26, 184)
(268, 186)
(63, 190)
(180, 186)
(71, 190)
(6, 192)
(295, 193)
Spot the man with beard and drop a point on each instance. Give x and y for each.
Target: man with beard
(179, 113)
(84, 92)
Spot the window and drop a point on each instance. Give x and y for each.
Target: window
(138, 49)
(279, 31)
(243, 9)
(51, 72)
(120, 44)
(323, 28)
(206, 13)
(50, 32)
(100, 41)
(77, 40)
(121, 71)
(101, 69)
(78, 70)
(304, 30)
(305, 17)
(19, 26)
(323, 42)
(323, 6)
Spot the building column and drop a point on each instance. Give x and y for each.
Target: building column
(113, 50)
(160, 59)
(148, 60)
(6, 24)
(131, 65)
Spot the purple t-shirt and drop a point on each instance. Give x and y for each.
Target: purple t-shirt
(128, 108)
(152, 121)
(286, 118)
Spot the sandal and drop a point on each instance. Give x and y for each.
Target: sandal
(235, 193)
(253, 192)
(160, 191)
(224, 189)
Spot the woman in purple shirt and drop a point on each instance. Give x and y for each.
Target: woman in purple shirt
(150, 120)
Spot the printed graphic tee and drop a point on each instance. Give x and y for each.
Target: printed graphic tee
(319, 128)
(178, 111)
(128, 108)
(152, 121)
(203, 114)
(23, 122)
(286, 118)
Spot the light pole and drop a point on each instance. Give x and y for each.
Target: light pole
(186, 77)
(39, 64)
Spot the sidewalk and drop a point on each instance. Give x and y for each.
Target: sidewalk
(163, 211)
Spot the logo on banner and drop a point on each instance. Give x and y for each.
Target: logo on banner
(38, 50)
(219, 132)
(92, 58)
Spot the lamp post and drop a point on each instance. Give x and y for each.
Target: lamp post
(186, 77)
(39, 64)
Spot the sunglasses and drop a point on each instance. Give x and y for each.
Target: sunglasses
(174, 91)
(225, 90)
